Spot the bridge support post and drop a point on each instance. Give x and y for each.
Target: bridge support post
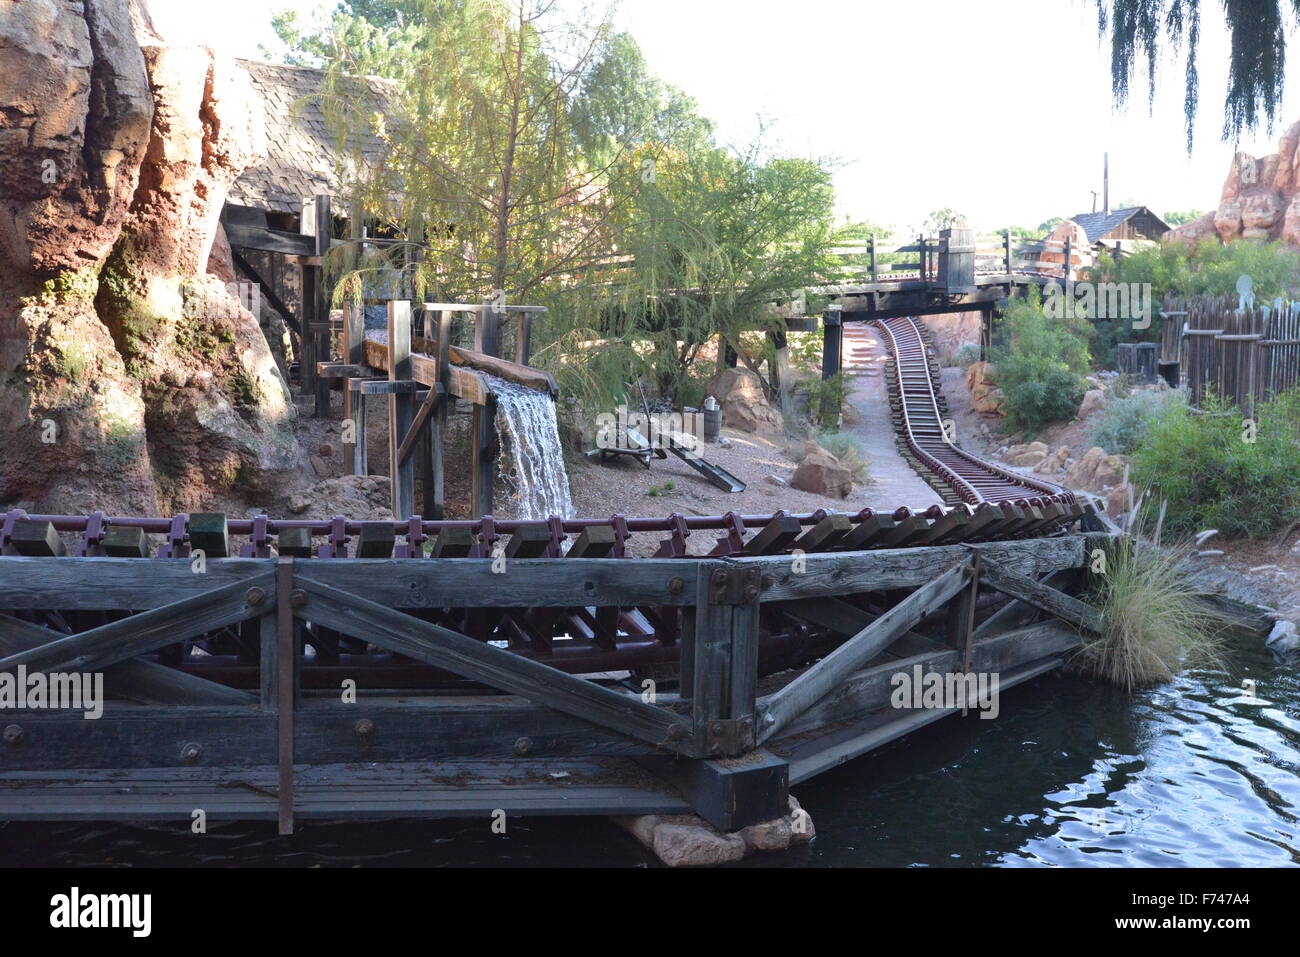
(832, 350)
(831, 340)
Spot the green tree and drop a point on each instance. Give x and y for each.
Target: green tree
(1183, 217)
(1140, 29)
(483, 164)
(941, 219)
(386, 27)
(714, 237)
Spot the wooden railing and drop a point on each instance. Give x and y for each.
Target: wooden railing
(888, 259)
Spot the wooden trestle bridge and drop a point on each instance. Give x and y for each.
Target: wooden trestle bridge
(570, 680)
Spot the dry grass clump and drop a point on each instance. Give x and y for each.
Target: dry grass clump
(1154, 622)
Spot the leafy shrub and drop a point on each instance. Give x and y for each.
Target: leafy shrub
(825, 398)
(966, 356)
(848, 449)
(1041, 364)
(1213, 478)
(1124, 421)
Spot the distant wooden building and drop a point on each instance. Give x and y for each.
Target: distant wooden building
(1122, 229)
(302, 153)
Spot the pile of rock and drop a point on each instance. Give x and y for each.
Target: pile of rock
(685, 840)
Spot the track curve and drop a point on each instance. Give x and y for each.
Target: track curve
(920, 413)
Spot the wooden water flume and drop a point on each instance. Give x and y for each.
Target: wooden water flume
(420, 376)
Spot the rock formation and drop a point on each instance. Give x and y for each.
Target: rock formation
(744, 404)
(985, 397)
(130, 380)
(821, 473)
(950, 331)
(1260, 198)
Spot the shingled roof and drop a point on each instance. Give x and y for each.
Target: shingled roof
(302, 156)
(1097, 225)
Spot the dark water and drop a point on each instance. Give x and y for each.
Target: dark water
(1071, 774)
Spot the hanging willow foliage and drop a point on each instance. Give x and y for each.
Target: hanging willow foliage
(1256, 64)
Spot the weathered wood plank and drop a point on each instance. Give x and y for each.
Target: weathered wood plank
(423, 729)
(472, 788)
(444, 648)
(838, 573)
(95, 582)
(1041, 596)
(469, 582)
(818, 681)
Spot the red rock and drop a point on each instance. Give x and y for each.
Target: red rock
(744, 403)
(1260, 198)
(821, 473)
(985, 397)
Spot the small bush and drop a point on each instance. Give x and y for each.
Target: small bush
(825, 398)
(1123, 423)
(1040, 370)
(848, 449)
(1153, 621)
(1213, 478)
(966, 355)
(1208, 268)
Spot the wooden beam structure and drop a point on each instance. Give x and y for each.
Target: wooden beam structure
(708, 739)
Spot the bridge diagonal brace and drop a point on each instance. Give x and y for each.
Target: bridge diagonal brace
(1055, 603)
(427, 408)
(818, 681)
(444, 648)
(144, 682)
(147, 631)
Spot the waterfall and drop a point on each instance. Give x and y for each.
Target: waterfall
(532, 460)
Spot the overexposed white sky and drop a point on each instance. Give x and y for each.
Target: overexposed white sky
(1000, 109)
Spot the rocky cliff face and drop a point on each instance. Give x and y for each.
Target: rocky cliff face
(129, 379)
(1260, 198)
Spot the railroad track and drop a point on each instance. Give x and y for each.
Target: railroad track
(920, 415)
